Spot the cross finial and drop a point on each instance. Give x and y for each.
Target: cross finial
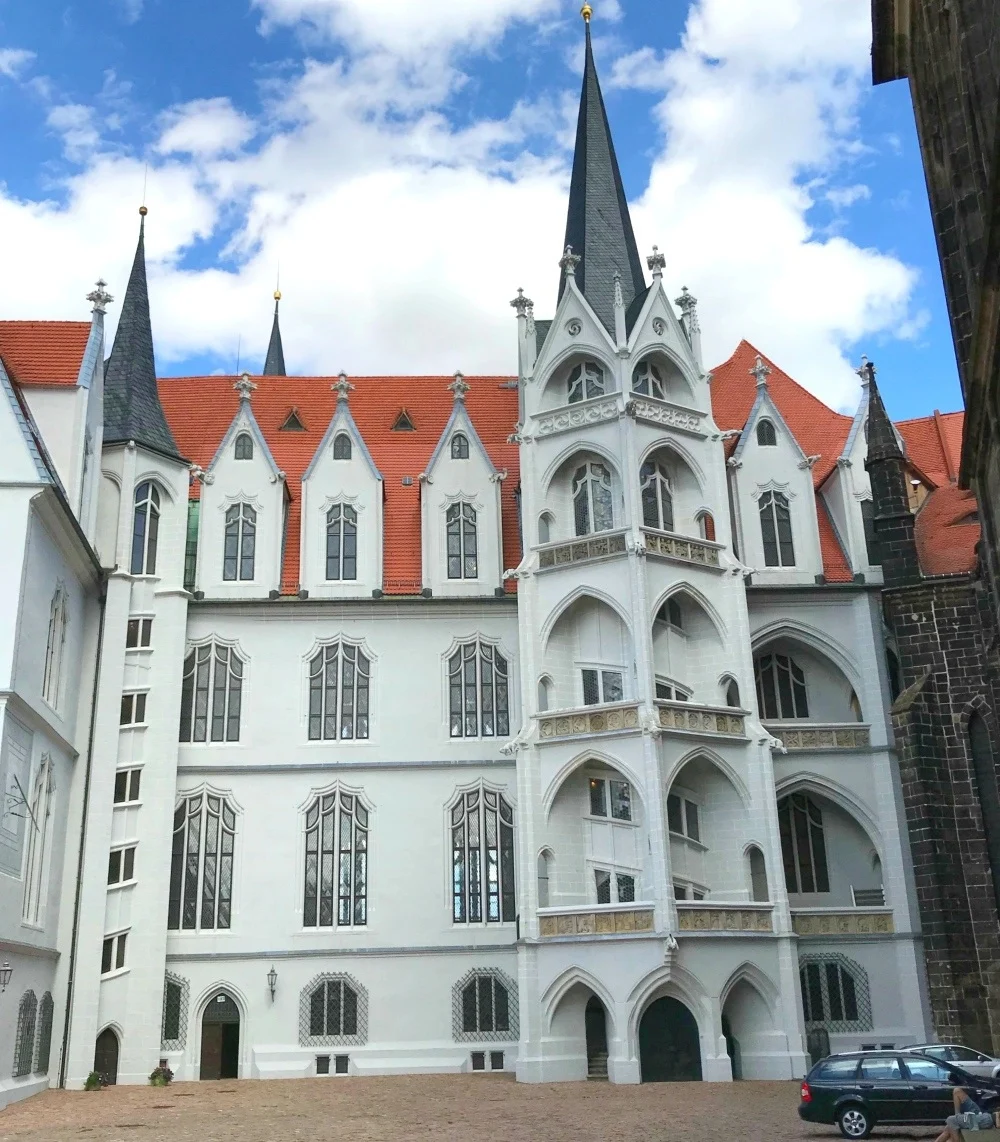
(568, 262)
(245, 387)
(342, 387)
(657, 263)
(866, 372)
(761, 372)
(459, 386)
(522, 304)
(100, 296)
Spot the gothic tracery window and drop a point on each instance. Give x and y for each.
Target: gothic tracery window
(341, 543)
(647, 379)
(55, 646)
(43, 1040)
(211, 694)
(24, 1038)
(201, 864)
(593, 508)
(336, 861)
(585, 380)
(145, 528)
(240, 543)
(781, 688)
(478, 692)
(776, 530)
(482, 838)
(803, 846)
(462, 536)
(339, 676)
(835, 992)
(657, 501)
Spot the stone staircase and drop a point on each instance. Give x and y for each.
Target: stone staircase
(597, 1067)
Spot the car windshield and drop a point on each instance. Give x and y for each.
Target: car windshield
(928, 1069)
(835, 1070)
(880, 1069)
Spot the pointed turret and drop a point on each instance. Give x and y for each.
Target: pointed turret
(274, 365)
(598, 226)
(132, 409)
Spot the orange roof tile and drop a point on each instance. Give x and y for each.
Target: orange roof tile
(836, 569)
(947, 531)
(43, 352)
(934, 445)
(199, 410)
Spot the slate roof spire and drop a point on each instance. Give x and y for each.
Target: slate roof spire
(274, 365)
(132, 409)
(883, 443)
(598, 226)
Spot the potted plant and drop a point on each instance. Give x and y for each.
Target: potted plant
(161, 1075)
(95, 1081)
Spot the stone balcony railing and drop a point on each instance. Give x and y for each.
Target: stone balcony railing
(683, 548)
(595, 920)
(820, 735)
(666, 414)
(842, 921)
(690, 718)
(600, 545)
(578, 415)
(607, 719)
(701, 916)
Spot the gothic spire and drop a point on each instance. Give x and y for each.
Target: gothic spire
(598, 226)
(132, 409)
(274, 366)
(883, 443)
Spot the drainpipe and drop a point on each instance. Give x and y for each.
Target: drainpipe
(74, 937)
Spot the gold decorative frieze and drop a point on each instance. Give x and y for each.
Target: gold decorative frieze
(663, 413)
(701, 719)
(723, 919)
(577, 416)
(850, 735)
(598, 546)
(856, 922)
(595, 720)
(596, 922)
(680, 547)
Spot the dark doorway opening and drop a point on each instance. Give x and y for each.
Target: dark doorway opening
(732, 1049)
(595, 1022)
(220, 1038)
(106, 1056)
(669, 1047)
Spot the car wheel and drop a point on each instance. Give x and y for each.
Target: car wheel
(854, 1122)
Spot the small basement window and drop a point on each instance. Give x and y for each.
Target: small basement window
(341, 1063)
(322, 1064)
(496, 1060)
(479, 1060)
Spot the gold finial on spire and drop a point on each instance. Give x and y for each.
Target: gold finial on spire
(277, 295)
(143, 211)
(586, 12)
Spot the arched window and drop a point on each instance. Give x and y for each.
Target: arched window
(585, 380)
(478, 699)
(342, 446)
(648, 380)
(55, 645)
(201, 863)
(872, 545)
(341, 542)
(706, 526)
(333, 1010)
(984, 767)
(758, 874)
(766, 436)
(732, 692)
(544, 863)
(592, 500)
(657, 502)
(145, 528)
(544, 693)
(835, 993)
(781, 688)
(244, 446)
(211, 689)
(463, 553)
(482, 842)
(336, 872)
(43, 1043)
(803, 849)
(338, 693)
(39, 814)
(545, 522)
(241, 542)
(776, 530)
(459, 446)
(24, 1039)
(484, 1007)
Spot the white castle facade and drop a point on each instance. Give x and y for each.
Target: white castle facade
(604, 788)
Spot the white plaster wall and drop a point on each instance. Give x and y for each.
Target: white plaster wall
(59, 412)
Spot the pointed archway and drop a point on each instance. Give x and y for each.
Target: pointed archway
(596, 1029)
(220, 1038)
(106, 1056)
(669, 1044)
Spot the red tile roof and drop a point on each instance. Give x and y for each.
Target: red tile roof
(43, 352)
(934, 445)
(947, 530)
(199, 410)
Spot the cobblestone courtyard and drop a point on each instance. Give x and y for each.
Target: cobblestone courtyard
(442, 1108)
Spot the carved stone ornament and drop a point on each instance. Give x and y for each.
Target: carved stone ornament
(577, 416)
(99, 296)
(342, 387)
(245, 387)
(669, 415)
(657, 263)
(459, 387)
(568, 262)
(574, 327)
(659, 326)
(760, 372)
(522, 304)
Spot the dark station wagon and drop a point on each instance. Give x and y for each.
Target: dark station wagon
(863, 1089)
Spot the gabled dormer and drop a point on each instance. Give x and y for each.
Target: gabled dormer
(341, 537)
(460, 510)
(243, 509)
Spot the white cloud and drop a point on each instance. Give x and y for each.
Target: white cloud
(131, 10)
(842, 197)
(14, 60)
(204, 127)
(76, 124)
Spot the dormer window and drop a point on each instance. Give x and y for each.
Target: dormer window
(342, 446)
(776, 530)
(459, 446)
(244, 446)
(462, 537)
(241, 541)
(766, 436)
(292, 422)
(585, 380)
(648, 380)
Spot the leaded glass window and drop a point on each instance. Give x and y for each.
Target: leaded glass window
(24, 1038)
(342, 448)
(43, 1043)
(803, 848)
(339, 676)
(173, 996)
(244, 446)
(585, 380)
(781, 688)
(459, 446)
(835, 993)
(592, 499)
(211, 694)
(240, 544)
(333, 1009)
(776, 530)
(478, 693)
(485, 1005)
(336, 871)
(145, 528)
(657, 501)
(766, 436)
(341, 542)
(463, 544)
(482, 838)
(201, 865)
(648, 380)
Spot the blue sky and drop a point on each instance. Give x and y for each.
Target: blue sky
(406, 166)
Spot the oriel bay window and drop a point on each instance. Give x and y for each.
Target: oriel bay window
(211, 694)
(240, 543)
(478, 697)
(593, 504)
(600, 685)
(339, 676)
(201, 863)
(482, 841)
(336, 856)
(585, 380)
(657, 502)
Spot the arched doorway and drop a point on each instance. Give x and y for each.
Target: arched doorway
(747, 1025)
(106, 1056)
(669, 1047)
(595, 1023)
(220, 1038)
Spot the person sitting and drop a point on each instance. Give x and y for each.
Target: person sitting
(969, 1115)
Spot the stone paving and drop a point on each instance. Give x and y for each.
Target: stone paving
(426, 1108)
